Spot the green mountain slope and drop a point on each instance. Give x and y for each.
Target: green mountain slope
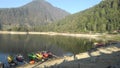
(27, 17)
(104, 17)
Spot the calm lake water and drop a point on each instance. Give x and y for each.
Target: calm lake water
(58, 45)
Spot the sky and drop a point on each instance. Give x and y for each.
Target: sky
(71, 6)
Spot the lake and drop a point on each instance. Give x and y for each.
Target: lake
(58, 45)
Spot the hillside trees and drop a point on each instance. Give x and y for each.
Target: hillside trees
(104, 17)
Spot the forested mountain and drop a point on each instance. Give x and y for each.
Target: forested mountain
(29, 16)
(38, 15)
(104, 17)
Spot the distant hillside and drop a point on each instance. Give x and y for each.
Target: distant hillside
(29, 16)
(104, 17)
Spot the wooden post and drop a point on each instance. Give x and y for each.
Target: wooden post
(1, 65)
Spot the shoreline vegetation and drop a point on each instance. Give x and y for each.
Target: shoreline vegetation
(52, 33)
(96, 36)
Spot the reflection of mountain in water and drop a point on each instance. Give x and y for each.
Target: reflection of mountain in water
(24, 44)
(31, 43)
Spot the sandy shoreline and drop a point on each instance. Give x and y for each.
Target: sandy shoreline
(51, 33)
(100, 58)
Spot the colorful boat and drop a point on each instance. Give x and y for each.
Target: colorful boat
(19, 58)
(11, 61)
(32, 56)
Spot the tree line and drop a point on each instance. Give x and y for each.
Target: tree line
(101, 18)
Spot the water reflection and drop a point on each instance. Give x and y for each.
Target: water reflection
(24, 44)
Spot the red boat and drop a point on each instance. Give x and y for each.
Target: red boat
(47, 54)
(99, 44)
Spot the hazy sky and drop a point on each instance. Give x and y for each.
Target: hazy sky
(71, 6)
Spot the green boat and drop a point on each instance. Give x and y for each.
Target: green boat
(32, 56)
